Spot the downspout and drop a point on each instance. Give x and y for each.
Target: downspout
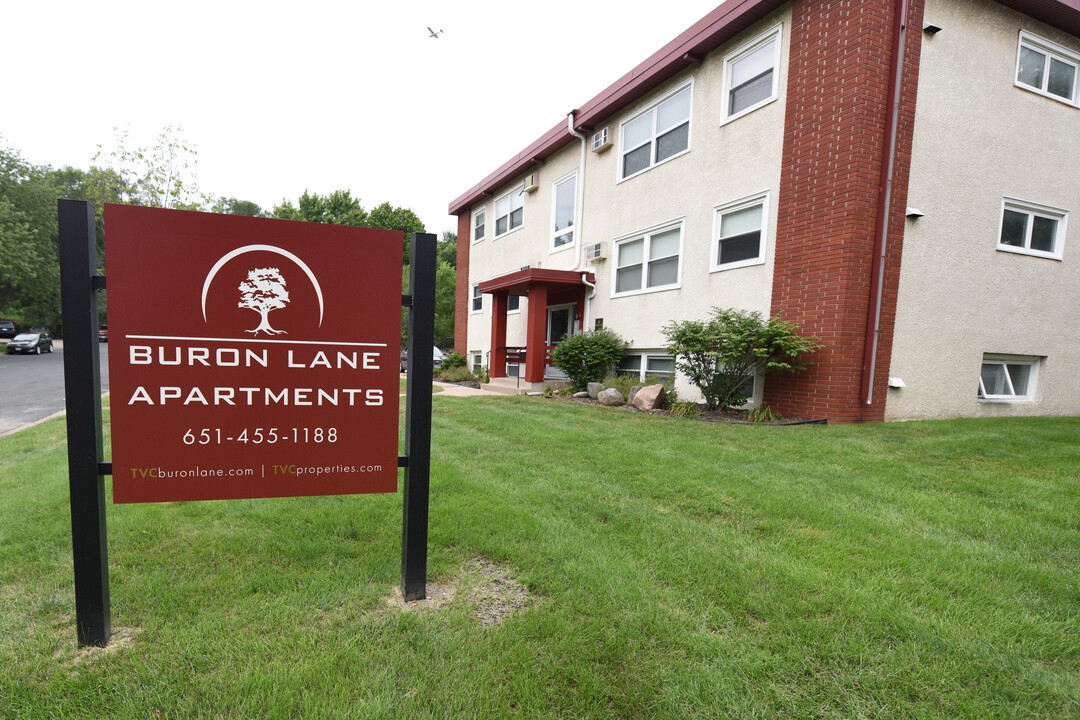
(579, 214)
(888, 164)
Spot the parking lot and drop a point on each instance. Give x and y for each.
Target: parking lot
(32, 386)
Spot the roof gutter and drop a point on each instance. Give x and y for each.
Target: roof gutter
(885, 187)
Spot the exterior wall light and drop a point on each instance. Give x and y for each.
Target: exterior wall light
(914, 213)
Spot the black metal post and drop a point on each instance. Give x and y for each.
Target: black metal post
(82, 389)
(414, 526)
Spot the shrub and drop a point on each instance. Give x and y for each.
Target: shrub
(685, 409)
(721, 354)
(454, 360)
(456, 374)
(763, 413)
(585, 358)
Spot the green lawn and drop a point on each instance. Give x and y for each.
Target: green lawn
(676, 569)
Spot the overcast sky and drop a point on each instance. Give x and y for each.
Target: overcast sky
(279, 97)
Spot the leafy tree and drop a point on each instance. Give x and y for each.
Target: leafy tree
(235, 206)
(721, 354)
(448, 248)
(337, 208)
(395, 218)
(588, 357)
(445, 282)
(159, 175)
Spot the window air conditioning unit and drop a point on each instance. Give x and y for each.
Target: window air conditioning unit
(601, 140)
(595, 253)
(530, 183)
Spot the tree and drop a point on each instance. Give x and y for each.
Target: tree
(159, 175)
(337, 208)
(445, 301)
(721, 354)
(235, 206)
(448, 248)
(395, 218)
(264, 291)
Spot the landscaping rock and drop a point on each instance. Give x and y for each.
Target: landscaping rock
(594, 389)
(649, 398)
(581, 394)
(633, 391)
(611, 397)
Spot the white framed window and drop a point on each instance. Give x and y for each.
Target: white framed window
(647, 365)
(477, 300)
(513, 303)
(1008, 378)
(657, 134)
(510, 211)
(477, 361)
(1046, 68)
(739, 233)
(479, 225)
(751, 76)
(649, 261)
(1032, 229)
(563, 206)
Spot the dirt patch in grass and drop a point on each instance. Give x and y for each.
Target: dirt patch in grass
(713, 416)
(490, 591)
(74, 657)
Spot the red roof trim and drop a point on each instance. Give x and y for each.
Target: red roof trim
(699, 40)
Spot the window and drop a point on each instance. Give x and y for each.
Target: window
(648, 262)
(1032, 229)
(1008, 377)
(1046, 68)
(751, 76)
(477, 361)
(564, 199)
(510, 211)
(655, 366)
(740, 232)
(477, 299)
(479, 225)
(513, 303)
(658, 134)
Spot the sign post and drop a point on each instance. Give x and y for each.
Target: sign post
(79, 283)
(414, 526)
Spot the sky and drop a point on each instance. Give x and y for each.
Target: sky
(282, 97)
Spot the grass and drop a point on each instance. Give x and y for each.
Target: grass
(679, 570)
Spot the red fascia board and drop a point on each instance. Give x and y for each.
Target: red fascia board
(520, 280)
(1062, 14)
(691, 46)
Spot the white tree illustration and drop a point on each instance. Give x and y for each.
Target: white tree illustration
(263, 291)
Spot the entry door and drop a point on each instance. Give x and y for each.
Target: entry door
(560, 321)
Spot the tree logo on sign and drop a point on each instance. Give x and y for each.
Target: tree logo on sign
(264, 291)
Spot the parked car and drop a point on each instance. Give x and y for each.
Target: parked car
(27, 343)
(41, 329)
(437, 356)
(7, 329)
(103, 334)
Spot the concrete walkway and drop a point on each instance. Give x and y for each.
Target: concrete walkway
(454, 390)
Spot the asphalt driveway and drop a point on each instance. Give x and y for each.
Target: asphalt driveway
(32, 386)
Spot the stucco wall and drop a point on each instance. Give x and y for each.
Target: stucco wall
(725, 163)
(979, 139)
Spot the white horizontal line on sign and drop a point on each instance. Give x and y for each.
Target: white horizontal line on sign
(253, 340)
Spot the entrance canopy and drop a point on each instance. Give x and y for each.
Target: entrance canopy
(542, 287)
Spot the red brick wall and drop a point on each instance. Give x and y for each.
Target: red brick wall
(462, 291)
(834, 135)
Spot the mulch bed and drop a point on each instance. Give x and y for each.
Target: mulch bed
(712, 416)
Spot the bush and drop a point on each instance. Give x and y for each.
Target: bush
(685, 409)
(454, 360)
(585, 358)
(720, 355)
(763, 413)
(456, 374)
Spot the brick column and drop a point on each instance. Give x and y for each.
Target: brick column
(839, 75)
(462, 289)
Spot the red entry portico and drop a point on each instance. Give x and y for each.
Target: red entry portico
(542, 288)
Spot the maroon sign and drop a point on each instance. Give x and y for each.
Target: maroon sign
(250, 357)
